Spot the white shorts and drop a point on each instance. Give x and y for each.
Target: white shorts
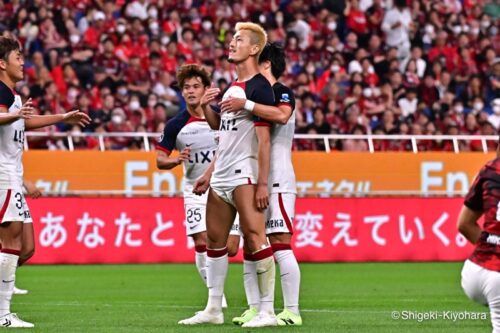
(280, 213)
(13, 207)
(225, 190)
(483, 286)
(195, 208)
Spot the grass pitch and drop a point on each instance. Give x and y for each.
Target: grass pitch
(334, 298)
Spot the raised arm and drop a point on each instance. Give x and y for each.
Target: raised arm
(212, 117)
(73, 118)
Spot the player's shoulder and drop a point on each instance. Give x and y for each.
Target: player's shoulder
(279, 88)
(6, 92)
(176, 123)
(259, 80)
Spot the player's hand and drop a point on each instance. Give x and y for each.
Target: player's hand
(262, 196)
(26, 111)
(184, 155)
(232, 104)
(201, 185)
(76, 118)
(209, 96)
(32, 191)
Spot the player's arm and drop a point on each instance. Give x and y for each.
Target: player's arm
(467, 224)
(203, 182)
(165, 162)
(6, 117)
(472, 210)
(264, 155)
(72, 118)
(212, 117)
(32, 191)
(275, 114)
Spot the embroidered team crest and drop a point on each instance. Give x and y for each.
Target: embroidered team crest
(285, 98)
(160, 139)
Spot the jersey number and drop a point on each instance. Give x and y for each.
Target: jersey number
(19, 136)
(19, 200)
(193, 215)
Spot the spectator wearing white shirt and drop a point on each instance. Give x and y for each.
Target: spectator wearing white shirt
(408, 104)
(396, 25)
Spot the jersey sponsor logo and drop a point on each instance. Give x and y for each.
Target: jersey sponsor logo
(228, 125)
(278, 223)
(160, 139)
(285, 98)
(202, 156)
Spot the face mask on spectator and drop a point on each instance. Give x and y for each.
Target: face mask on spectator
(335, 68)
(154, 27)
(165, 40)
(206, 25)
(74, 39)
(122, 91)
(117, 119)
(152, 102)
(475, 31)
(493, 31)
(485, 24)
(225, 26)
(279, 19)
(457, 29)
(458, 108)
(465, 28)
(262, 18)
(478, 106)
(367, 92)
(496, 109)
(134, 105)
(121, 28)
(332, 26)
(310, 69)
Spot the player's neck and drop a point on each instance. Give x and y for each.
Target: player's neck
(247, 69)
(8, 81)
(196, 112)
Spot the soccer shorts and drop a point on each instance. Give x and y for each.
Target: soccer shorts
(195, 208)
(13, 206)
(280, 213)
(225, 190)
(483, 286)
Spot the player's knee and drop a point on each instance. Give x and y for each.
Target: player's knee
(200, 239)
(26, 255)
(232, 250)
(254, 241)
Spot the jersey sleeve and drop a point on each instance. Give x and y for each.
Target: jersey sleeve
(284, 96)
(263, 94)
(6, 96)
(215, 108)
(474, 198)
(169, 136)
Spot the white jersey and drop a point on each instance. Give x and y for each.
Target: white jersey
(184, 131)
(282, 174)
(237, 153)
(11, 142)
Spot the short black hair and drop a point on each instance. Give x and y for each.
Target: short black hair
(274, 53)
(8, 45)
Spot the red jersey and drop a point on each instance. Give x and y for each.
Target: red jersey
(484, 196)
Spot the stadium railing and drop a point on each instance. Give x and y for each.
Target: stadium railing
(149, 139)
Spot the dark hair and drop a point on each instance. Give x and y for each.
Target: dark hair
(190, 71)
(7, 45)
(274, 53)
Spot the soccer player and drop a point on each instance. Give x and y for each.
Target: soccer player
(14, 214)
(282, 189)
(240, 172)
(189, 133)
(481, 272)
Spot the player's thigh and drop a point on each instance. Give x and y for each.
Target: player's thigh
(220, 216)
(473, 281)
(28, 242)
(491, 290)
(251, 218)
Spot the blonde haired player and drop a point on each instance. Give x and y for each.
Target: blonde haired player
(189, 133)
(240, 172)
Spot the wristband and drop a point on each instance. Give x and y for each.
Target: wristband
(249, 105)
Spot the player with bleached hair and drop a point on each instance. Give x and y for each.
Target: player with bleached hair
(189, 133)
(481, 272)
(282, 189)
(239, 180)
(16, 225)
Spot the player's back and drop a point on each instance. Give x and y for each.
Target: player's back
(11, 142)
(282, 175)
(238, 146)
(484, 196)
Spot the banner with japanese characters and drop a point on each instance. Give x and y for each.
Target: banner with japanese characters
(152, 230)
(316, 172)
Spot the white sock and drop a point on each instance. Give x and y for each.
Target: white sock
(217, 264)
(250, 283)
(8, 266)
(266, 275)
(290, 279)
(201, 264)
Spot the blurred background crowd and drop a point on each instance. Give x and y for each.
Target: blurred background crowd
(356, 66)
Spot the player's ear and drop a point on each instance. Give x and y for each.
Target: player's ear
(3, 64)
(254, 50)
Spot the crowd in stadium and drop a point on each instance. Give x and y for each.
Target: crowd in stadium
(364, 66)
